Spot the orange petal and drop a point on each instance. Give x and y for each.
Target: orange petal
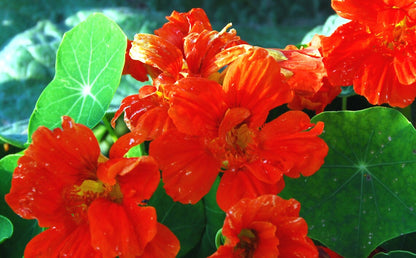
(181, 24)
(242, 184)
(121, 230)
(54, 242)
(345, 51)
(405, 65)
(188, 168)
(292, 144)
(197, 106)
(378, 82)
(52, 164)
(157, 52)
(164, 244)
(133, 67)
(254, 82)
(307, 68)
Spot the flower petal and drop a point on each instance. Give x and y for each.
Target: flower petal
(405, 65)
(307, 68)
(201, 49)
(133, 67)
(364, 11)
(197, 106)
(125, 143)
(181, 24)
(164, 244)
(242, 184)
(157, 52)
(138, 177)
(121, 230)
(344, 52)
(55, 242)
(254, 81)
(278, 229)
(378, 82)
(188, 168)
(54, 162)
(292, 144)
(145, 113)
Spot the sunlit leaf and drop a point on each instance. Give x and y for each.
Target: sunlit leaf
(89, 63)
(136, 151)
(364, 194)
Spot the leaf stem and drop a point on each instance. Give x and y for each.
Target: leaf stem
(110, 129)
(344, 103)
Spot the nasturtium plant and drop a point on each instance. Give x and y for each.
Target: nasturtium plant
(89, 63)
(188, 141)
(363, 195)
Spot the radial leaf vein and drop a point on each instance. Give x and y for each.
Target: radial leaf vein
(78, 65)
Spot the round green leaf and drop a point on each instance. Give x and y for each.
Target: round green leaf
(89, 64)
(6, 228)
(364, 194)
(213, 223)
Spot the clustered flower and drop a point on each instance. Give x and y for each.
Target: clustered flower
(206, 115)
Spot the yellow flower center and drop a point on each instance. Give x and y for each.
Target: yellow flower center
(83, 195)
(237, 149)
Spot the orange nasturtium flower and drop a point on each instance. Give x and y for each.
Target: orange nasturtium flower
(91, 205)
(307, 76)
(267, 226)
(222, 129)
(376, 51)
(133, 67)
(186, 46)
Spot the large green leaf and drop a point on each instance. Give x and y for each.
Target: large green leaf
(214, 221)
(365, 192)
(186, 221)
(23, 230)
(89, 63)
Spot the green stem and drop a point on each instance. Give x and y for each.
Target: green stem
(110, 129)
(344, 103)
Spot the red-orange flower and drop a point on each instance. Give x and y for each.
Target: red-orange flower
(376, 51)
(267, 226)
(93, 206)
(307, 77)
(182, 24)
(221, 129)
(186, 46)
(133, 67)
